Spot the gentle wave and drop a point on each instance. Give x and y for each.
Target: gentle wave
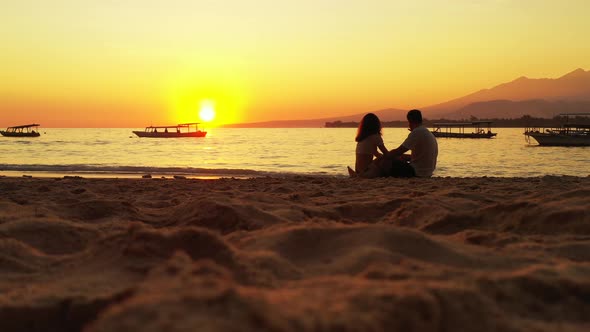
(189, 171)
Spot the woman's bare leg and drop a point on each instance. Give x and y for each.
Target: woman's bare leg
(373, 171)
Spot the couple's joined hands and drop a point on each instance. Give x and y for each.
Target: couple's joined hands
(403, 157)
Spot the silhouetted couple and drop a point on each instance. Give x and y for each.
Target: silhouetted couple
(420, 141)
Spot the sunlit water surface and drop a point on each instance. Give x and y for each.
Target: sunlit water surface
(256, 152)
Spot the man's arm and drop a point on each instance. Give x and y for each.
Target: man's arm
(397, 153)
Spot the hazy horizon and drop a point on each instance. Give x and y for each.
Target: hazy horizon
(133, 64)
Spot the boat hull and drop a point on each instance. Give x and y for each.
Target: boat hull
(170, 134)
(560, 140)
(463, 135)
(13, 134)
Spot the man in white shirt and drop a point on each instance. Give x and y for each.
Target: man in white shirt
(422, 161)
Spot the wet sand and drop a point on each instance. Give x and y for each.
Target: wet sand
(295, 254)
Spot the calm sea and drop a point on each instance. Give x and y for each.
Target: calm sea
(259, 152)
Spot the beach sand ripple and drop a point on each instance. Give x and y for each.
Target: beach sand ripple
(295, 254)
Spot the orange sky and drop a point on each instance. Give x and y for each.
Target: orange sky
(135, 63)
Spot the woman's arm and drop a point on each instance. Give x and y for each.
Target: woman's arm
(383, 149)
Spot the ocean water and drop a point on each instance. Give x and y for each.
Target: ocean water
(269, 151)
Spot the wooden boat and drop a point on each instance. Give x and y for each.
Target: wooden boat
(569, 134)
(180, 130)
(457, 129)
(22, 131)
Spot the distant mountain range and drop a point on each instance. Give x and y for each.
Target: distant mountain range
(543, 97)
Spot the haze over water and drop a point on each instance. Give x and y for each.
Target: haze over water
(258, 152)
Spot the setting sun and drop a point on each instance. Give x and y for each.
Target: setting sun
(207, 111)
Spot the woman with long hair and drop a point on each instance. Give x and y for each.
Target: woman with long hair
(368, 138)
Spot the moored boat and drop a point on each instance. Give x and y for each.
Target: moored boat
(569, 134)
(179, 130)
(22, 131)
(457, 129)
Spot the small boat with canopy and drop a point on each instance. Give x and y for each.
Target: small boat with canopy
(29, 130)
(569, 134)
(474, 129)
(179, 130)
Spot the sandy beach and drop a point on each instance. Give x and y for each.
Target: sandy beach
(295, 254)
